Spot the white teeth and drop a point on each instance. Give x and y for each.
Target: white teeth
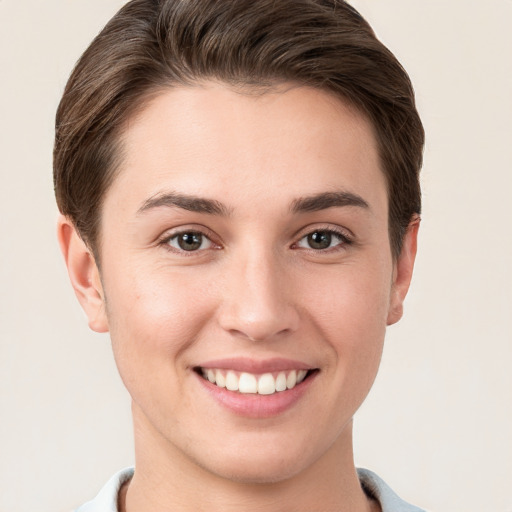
(301, 375)
(231, 381)
(281, 382)
(220, 379)
(266, 384)
(291, 380)
(247, 383)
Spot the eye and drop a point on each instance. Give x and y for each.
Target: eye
(189, 241)
(322, 239)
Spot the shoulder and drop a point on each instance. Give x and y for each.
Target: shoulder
(106, 500)
(376, 488)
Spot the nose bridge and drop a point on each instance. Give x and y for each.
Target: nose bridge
(257, 303)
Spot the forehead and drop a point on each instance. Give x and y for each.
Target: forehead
(270, 146)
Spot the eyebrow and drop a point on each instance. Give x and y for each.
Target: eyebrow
(186, 202)
(324, 200)
(313, 203)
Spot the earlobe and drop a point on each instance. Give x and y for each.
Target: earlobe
(404, 267)
(83, 274)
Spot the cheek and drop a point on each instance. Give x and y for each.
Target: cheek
(350, 310)
(351, 299)
(153, 318)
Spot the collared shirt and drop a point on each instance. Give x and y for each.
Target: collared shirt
(375, 487)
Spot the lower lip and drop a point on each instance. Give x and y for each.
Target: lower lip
(253, 405)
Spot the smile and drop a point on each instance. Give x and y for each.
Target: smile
(249, 383)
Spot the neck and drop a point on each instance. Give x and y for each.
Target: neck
(166, 479)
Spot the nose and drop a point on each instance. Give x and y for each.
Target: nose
(257, 302)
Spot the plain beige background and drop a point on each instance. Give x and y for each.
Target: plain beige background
(438, 423)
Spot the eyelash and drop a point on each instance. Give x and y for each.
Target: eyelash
(166, 240)
(343, 237)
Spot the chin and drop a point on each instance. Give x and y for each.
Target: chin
(262, 463)
(247, 472)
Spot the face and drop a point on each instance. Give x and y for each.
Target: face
(246, 276)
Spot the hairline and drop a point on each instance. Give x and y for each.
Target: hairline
(277, 86)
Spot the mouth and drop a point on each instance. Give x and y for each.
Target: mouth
(246, 383)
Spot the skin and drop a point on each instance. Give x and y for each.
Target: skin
(254, 289)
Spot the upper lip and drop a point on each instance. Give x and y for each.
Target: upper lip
(243, 364)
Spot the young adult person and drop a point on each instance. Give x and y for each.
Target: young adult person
(239, 197)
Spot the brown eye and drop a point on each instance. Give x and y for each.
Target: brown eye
(322, 239)
(189, 241)
(319, 240)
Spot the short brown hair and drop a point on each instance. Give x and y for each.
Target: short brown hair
(152, 44)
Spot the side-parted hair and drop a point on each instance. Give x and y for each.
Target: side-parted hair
(151, 45)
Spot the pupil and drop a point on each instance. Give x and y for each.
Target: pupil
(190, 241)
(319, 240)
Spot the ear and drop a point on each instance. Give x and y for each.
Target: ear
(83, 273)
(402, 273)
